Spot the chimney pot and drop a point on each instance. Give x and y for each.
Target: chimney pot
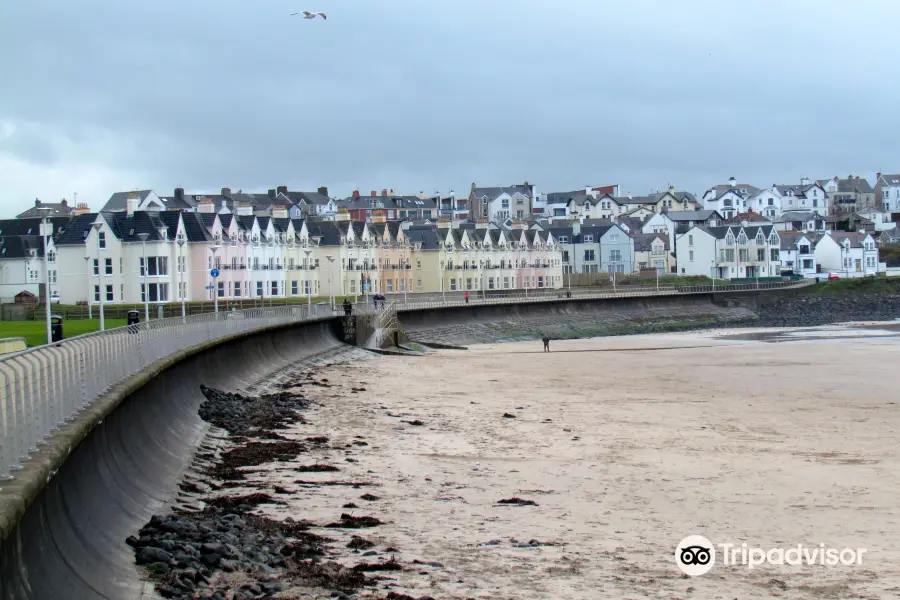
(281, 189)
(37, 202)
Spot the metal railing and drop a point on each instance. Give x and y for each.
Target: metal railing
(44, 388)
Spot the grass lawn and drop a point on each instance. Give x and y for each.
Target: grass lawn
(35, 332)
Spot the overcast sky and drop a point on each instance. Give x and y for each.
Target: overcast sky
(98, 96)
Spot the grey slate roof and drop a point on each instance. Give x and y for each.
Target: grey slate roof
(77, 231)
(118, 201)
(493, 192)
(643, 241)
(691, 215)
(427, 237)
(195, 229)
(127, 228)
(29, 226)
(57, 209)
(20, 246)
(891, 179)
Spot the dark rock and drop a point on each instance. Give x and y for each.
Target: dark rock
(515, 501)
(352, 522)
(508, 416)
(149, 554)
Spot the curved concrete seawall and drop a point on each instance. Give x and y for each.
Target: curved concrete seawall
(70, 545)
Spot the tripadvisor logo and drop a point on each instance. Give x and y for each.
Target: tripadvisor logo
(695, 555)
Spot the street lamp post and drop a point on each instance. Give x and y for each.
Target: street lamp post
(330, 293)
(215, 248)
(87, 265)
(97, 227)
(308, 282)
(144, 237)
(46, 231)
(181, 286)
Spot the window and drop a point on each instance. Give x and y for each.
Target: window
(565, 256)
(295, 288)
(220, 289)
(256, 263)
(107, 266)
(51, 257)
(589, 256)
(690, 240)
(307, 288)
(490, 283)
(563, 239)
(728, 255)
(773, 254)
(691, 255)
(453, 284)
(52, 276)
(468, 283)
(237, 289)
(588, 239)
(109, 293)
(743, 255)
(96, 268)
(540, 281)
(729, 239)
(259, 289)
(159, 292)
(761, 254)
(274, 288)
(157, 266)
(102, 237)
(390, 285)
(615, 255)
(614, 237)
(419, 283)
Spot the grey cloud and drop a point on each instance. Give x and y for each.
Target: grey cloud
(414, 95)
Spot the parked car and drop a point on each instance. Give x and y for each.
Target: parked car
(54, 298)
(833, 276)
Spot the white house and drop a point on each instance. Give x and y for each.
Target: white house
(660, 223)
(888, 192)
(501, 203)
(733, 252)
(881, 219)
(616, 251)
(848, 254)
(729, 199)
(800, 221)
(808, 196)
(798, 253)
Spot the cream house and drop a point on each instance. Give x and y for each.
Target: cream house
(652, 251)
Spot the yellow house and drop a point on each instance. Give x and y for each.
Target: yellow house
(392, 257)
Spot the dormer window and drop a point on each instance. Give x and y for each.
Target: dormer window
(729, 239)
(742, 238)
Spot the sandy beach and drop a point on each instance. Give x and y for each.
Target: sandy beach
(625, 445)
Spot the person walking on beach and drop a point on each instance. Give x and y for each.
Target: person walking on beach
(546, 340)
(466, 296)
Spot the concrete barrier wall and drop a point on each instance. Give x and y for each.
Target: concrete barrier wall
(431, 318)
(71, 542)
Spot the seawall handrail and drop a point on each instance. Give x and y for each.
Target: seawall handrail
(44, 388)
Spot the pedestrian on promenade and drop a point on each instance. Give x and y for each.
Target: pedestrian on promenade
(546, 340)
(466, 296)
(348, 308)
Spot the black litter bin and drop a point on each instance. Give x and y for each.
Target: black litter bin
(56, 328)
(133, 319)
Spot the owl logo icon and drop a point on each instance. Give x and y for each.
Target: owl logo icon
(695, 555)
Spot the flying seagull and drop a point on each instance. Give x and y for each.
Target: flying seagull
(311, 15)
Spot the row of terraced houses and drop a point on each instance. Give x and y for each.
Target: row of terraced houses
(282, 243)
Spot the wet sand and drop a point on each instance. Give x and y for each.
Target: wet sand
(626, 445)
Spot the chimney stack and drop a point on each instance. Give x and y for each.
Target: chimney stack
(179, 194)
(281, 189)
(323, 191)
(64, 203)
(877, 177)
(732, 182)
(272, 193)
(355, 193)
(226, 192)
(384, 192)
(37, 202)
(373, 193)
(131, 204)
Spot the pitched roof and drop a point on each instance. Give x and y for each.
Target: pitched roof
(750, 230)
(119, 200)
(32, 226)
(495, 191)
(21, 246)
(77, 231)
(195, 229)
(643, 241)
(855, 238)
(796, 215)
(891, 179)
(128, 227)
(49, 209)
(691, 215)
(721, 190)
(428, 237)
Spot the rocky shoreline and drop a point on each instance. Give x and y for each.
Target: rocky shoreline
(807, 310)
(222, 546)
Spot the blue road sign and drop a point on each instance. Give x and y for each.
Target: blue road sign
(214, 273)
(210, 287)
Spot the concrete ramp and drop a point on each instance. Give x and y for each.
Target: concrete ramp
(71, 543)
